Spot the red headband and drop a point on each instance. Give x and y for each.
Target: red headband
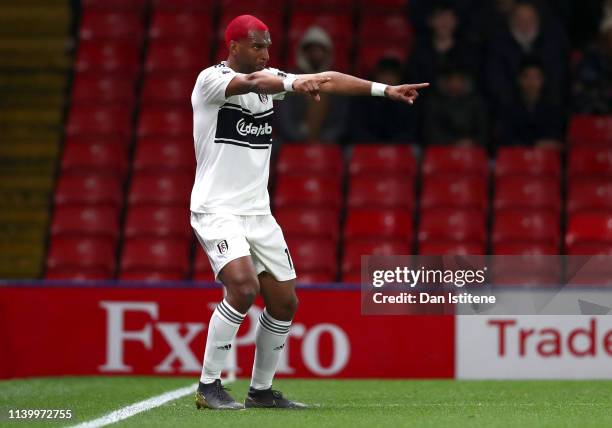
(239, 28)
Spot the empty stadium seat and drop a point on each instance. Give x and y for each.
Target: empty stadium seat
(202, 270)
(455, 160)
(84, 220)
(589, 195)
(438, 248)
(163, 89)
(533, 226)
(108, 57)
(320, 159)
(452, 225)
(100, 121)
(95, 189)
(354, 249)
(170, 56)
(102, 88)
(315, 277)
(94, 158)
(190, 26)
(384, 6)
(385, 28)
(532, 161)
(590, 162)
(165, 122)
(308, 191)
(326, 6)
(160, 154)
(82, 253)
(458, 191)
(525, 248)
(383, 159)
(313, 255)
(588, 228)
(111, 25)
(308, 222)
(590, 130)
(133, 6)
(252, 6)
(527, 192)
(159, 255)
(151, 275)
(184, 5)
(374, 191)
(78, 274)
(147, 221)
(161, 188)
(379, 223)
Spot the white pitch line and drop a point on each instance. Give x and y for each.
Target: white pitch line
(133, 409)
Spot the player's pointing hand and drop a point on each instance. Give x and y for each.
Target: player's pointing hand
(405, 93)
(310, 85)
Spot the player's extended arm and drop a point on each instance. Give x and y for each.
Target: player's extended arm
(345, 84)
(261, 82)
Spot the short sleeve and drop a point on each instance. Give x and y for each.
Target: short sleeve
(279, 73)
(212, 83)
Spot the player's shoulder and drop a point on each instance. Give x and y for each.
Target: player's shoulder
(215, 71)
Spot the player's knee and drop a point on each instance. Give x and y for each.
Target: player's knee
(284, 310)
(243, 290)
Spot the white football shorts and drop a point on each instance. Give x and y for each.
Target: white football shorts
(226, 237)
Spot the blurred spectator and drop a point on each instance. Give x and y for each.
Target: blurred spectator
(302, 118)
(455, 113)
(441, 49)
(592, 91)
(379, 119)
(526, 36)
(531, 118)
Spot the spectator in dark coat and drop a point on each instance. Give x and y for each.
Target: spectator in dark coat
(377, 119)
(531, 119)
(455, 113)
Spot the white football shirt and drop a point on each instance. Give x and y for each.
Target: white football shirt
(233, 144)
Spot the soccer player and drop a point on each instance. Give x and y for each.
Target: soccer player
(230, 206)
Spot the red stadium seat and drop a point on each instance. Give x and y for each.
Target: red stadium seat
(202, 270)
(184, 5)
(339, 26)
(458, 191)
(586, 248)
(313, 255)
(536, 226)
(101, 88)
(386, 28)
(354, 249)
(163, 222)
(379, 223)
(455, 160)
(539, 270)
(323, 6)
(165, 122)
(123, 142)
(151, 275)
(373, 191)
(384, 6)
(82, 253)
(133, 6)
(452, 225)
(78, 274)
(369, 56)
(94, 189)
(109, 25)
(108, 57)
(165, 89)
(308, 191)
(590, 130)
(383, 159)
(528, 193)
(588, 228)
(308, 222)
(321, 159)
(84, 220)
(589, 195)
(160, 154)
(590, 162)
(176, 26)
(94, 158)
(525, 249)
(161, 189)
(315, 277)
(170, 56)
(253, 7)
(170, 256)
(439, 248)
(527, 161)
(100, 121)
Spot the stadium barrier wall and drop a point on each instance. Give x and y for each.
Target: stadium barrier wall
(60, 329)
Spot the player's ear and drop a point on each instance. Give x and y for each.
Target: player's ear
(233, 47)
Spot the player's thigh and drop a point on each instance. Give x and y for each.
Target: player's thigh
(279, 297)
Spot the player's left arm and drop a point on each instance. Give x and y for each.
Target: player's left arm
(345, 84)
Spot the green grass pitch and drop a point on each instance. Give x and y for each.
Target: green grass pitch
(337, 403)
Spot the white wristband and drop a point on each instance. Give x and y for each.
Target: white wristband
(378, 89)
(288, 83)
